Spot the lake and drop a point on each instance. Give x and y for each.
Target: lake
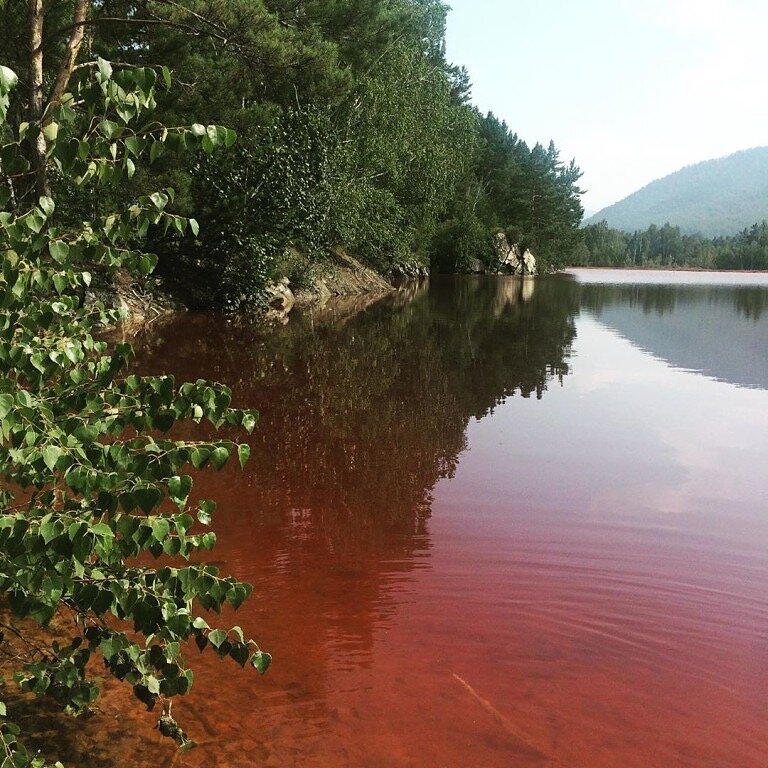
(493, 522)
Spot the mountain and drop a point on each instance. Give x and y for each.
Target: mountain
(716, 197)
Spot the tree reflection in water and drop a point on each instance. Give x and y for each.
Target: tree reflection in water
(363, 414)
(363, 410)
(710, 329)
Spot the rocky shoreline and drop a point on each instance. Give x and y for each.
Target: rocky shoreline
(343, 276)
(144, 302)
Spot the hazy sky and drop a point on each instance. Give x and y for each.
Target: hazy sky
(633, 89)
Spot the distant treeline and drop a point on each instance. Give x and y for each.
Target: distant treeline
(355, 132)
(666, 247)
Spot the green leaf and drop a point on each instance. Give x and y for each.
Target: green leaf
(110, 129)
(219, 457)
(199, 457)
(240, 653)
(60, 283)
(135, 145)
(261, 661)
(49, 530)
(249, 422)
(105, 69)
(205, 512)
(156, 150)
(34, 221)
(159, 200)
(243, 454)
(147, 263)
(160, 528)
(48, 206)
(8, 79)
(51, 131)
(217, 637)
(164, 421)
(179, 489)
(147, 498)
(38, 362)
(59, 251)
(51, 454)
(6, 405)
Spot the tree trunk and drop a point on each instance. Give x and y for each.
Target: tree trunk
(36, 95)
(67, 66)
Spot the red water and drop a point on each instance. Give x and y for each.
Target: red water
(450, 574)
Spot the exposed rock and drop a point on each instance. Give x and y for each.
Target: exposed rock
(280, 299)
(342, 275)
(409, 270)
(529, 263)
(508, 255)
(143, 301)
(512, 259)
(339, 275)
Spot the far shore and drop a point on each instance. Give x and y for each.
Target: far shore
(676, 269)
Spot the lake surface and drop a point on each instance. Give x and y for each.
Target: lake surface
(493, 522)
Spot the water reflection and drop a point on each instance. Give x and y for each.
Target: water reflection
(714, 330)
(457, 515)
(337, 392)
(362, 414)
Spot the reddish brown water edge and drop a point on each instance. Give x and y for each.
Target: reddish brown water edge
(494, 523)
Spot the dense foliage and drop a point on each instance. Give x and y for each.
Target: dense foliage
(715, 198)
(355, 132)
(666, 246)
(94, 488)
(528, 193)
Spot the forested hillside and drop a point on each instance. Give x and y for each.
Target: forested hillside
(667, 246)
(714, 198)
(354, 132)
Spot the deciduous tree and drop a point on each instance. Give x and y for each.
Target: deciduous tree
(95, 486)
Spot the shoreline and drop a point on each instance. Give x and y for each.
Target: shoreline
(675, 269)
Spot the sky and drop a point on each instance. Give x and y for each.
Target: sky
(632, 89)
